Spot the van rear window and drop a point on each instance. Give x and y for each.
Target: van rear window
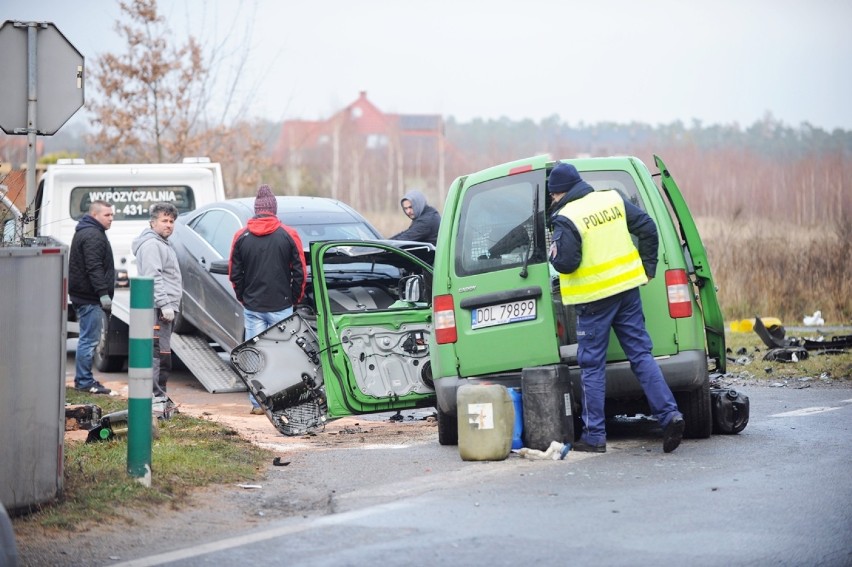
(131, 202)
(620, 181)
(497, 228)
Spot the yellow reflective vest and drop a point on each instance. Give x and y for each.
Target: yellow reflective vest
(610, 261)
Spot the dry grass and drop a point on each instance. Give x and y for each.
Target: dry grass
(780, 270)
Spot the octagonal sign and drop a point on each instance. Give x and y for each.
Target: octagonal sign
(59, 72)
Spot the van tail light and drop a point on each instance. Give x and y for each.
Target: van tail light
(678, 290)
(445, 320)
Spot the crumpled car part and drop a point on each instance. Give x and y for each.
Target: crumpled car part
(774, 338)
(786, 354)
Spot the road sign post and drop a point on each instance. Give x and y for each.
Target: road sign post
(41, 87)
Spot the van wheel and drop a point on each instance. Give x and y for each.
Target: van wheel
(697, 412)
(448, 428)
(101, 359)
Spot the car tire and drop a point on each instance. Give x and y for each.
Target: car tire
(448, 428)
(101, 359)
(181, 325)
(697, 411)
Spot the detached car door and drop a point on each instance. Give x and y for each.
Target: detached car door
(374, 320)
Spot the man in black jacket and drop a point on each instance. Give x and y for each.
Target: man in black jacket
(425, 220)
(267, 269)
(91, 286)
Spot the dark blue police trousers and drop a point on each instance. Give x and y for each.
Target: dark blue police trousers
(622, 313)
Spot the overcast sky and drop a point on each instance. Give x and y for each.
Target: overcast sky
(651, 61)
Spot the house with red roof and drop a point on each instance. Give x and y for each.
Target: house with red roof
(363, 156)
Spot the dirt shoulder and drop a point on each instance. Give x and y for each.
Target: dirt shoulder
(285, 489)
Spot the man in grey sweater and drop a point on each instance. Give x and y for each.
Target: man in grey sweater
(155, 258)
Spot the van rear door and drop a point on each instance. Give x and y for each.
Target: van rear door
(500, 283)
(714, 324)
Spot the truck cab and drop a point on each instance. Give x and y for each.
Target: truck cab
(67, 189)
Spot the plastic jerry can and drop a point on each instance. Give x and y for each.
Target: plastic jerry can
(547, 402)
(486, 421)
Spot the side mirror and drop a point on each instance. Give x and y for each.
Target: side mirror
(413, 289)
(219, 267)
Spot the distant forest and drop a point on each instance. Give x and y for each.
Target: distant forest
(768, 170)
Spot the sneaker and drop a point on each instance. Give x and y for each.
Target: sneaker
(672, 434)
(96, 388)
(584, 447)
(257, 411)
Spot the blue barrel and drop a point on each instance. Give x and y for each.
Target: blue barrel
(518, 431)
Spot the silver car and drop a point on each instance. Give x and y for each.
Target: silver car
(202, 240)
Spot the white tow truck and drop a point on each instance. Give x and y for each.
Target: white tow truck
(63, 197)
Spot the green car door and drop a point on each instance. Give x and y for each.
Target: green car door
(373, 326)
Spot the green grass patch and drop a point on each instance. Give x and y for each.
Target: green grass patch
(186, 453)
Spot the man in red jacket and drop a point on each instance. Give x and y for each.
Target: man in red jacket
(267, 269)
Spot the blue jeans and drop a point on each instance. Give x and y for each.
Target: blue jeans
(256, 322)
(91, 322)
(623, 313)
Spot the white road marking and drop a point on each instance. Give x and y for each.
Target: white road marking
(804, 411)
(256, 537)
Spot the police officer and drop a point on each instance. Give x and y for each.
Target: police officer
(600, 274)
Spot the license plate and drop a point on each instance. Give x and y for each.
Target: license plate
(502, 314)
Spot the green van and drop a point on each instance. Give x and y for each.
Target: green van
(496, 302)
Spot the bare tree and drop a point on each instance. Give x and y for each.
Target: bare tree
(154, 101)
(151, 96)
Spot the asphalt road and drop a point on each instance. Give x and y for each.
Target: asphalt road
(778, 493)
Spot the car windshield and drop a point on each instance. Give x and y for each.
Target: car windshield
(218, 226)
(366, 278)
(347, 231)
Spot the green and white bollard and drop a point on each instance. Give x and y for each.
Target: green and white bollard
(140, 379)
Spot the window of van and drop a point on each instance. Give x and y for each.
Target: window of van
(621, 181)
(496, 228)
(131, 203)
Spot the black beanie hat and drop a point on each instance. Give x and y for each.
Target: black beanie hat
(562, 178)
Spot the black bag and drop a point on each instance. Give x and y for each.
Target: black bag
(730, 410)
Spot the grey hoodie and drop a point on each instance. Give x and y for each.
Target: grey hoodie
(155, 258)
(424, 225)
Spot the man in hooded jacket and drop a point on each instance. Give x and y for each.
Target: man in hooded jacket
(267, 269)
(425, 220)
